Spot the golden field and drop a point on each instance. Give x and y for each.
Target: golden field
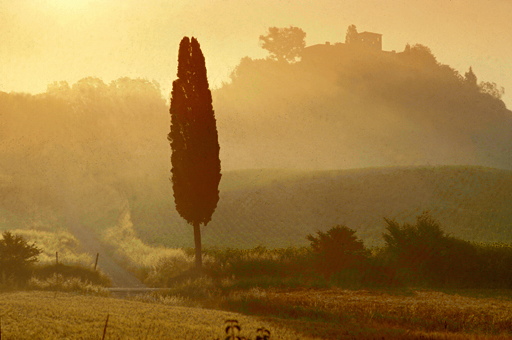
(49, 315)
(288, 314)
(400, 314)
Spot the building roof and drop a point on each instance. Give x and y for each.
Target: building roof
(370, 33)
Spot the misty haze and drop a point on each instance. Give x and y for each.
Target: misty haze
(363, 190)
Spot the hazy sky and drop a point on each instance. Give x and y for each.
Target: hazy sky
(49, 40)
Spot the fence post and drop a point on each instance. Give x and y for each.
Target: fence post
(95, 263)
(105, 328)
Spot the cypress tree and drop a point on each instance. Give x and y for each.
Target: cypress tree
(194, 142)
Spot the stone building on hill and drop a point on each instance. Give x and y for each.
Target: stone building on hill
(365, 40)
(370, 40)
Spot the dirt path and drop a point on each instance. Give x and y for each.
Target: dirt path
(90, 244)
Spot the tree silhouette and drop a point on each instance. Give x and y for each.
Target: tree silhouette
(470, 78)
(492, 89)
(337, 249)
(194, 142)
(352, 36)
(284, 44)
(16, 256)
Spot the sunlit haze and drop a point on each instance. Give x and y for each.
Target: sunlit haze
(312, 168)
(52, 40)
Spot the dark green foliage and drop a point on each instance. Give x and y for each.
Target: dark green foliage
(494, 266)
(16, 258)
(337, 250)
(422, 254)
(194, 141)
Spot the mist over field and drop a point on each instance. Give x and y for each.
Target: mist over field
(88, 152)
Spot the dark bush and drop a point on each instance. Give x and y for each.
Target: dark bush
(494, 265)
(16, 259)
(338, 250)
(422, 254)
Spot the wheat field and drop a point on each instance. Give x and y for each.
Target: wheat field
(49, 315)
(421, 314)
(297, 314)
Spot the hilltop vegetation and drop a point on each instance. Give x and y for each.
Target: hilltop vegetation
(345, 106)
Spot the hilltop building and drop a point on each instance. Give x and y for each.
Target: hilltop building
(370, 40)
(367, 40)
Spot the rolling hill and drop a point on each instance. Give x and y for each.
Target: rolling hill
(278, 208)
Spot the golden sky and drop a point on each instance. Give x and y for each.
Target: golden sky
(50, 40)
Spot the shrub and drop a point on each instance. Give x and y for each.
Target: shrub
(58, 282)
(423, 254)
(166, 269)
(16, 259)
(337, 250)
(494, 265)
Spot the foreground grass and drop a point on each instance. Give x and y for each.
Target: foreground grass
(288, 314)
(45, 315)
(378, 314)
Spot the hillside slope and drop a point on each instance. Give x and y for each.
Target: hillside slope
(342, 107)
(280, 207)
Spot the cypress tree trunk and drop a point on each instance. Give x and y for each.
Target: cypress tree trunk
(198, 246)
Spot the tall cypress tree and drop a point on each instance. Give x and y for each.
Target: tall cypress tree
(194, 142)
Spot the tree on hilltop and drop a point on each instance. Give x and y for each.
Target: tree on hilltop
(352, 35)
(284, 44)
(194, 142)
(492, 89)
(470, 77)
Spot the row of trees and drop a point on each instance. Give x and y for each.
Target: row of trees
(418, 254)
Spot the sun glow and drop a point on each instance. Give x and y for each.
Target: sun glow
(69, 5)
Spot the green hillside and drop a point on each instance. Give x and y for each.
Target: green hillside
(279, 208)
